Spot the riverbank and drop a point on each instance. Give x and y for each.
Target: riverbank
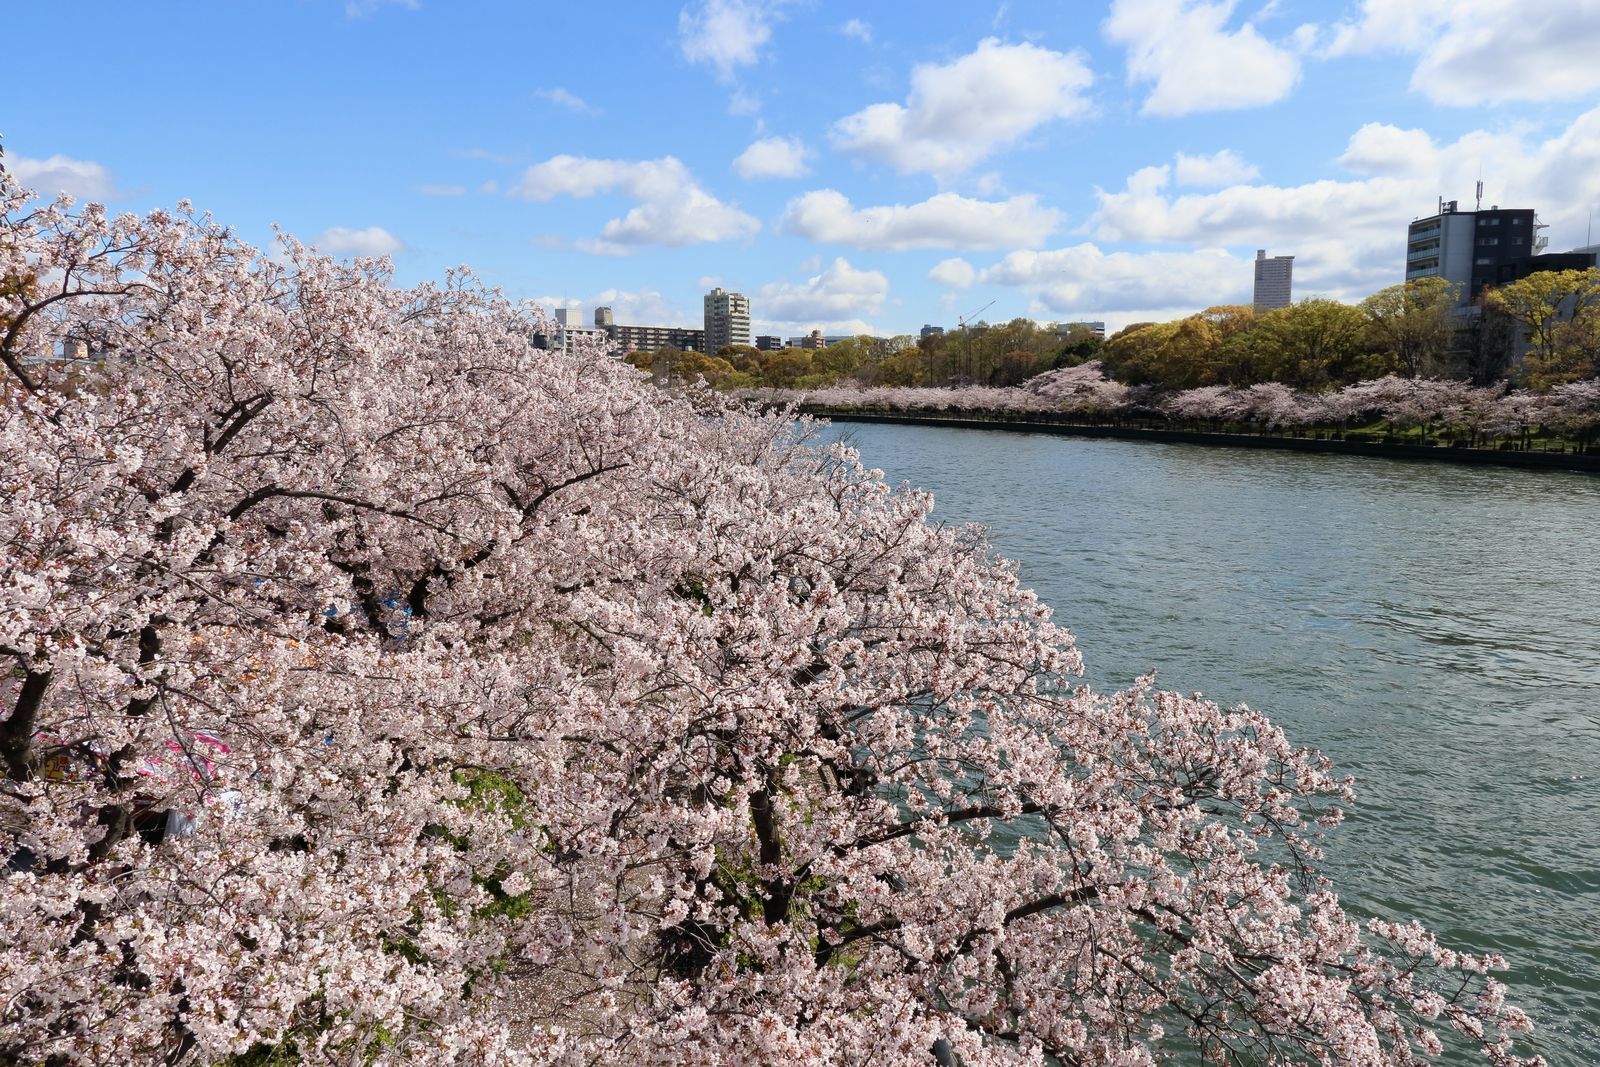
(1508, 455)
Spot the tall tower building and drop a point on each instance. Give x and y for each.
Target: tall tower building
(727, 319)
(603, 318)
(1274, 281)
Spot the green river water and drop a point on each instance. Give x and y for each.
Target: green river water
(1434, 629)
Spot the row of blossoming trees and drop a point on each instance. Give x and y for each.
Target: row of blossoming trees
(1433, 405)
(378, 688)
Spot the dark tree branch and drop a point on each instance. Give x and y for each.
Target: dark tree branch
(827, 951)
(149, 649)
(16, 733)
(243, 414)
(987, 811)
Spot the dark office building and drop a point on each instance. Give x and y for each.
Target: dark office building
(1519, 269)
(1470, 248)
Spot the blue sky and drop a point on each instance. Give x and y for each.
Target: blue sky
(847, 166)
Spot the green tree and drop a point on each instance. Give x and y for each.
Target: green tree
(1557, 313)
(908, 366)
(1410, 326)
(1310, 345)
(1189, 356)
(1079, 345)
(670, 366)
(845, 357)
(784, 369)
(1134, 353)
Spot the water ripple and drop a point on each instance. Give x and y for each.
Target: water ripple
(1434, 629)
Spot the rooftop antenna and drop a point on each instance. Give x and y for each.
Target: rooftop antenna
(1480, 195)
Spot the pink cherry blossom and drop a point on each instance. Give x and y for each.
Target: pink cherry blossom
(536, 716)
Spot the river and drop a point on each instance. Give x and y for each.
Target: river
(1434, 629)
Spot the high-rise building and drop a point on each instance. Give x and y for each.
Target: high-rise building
(1470, 248)
(931, 331)
(603, 318)
(727, 319)
(769, 343)
(1274, 281)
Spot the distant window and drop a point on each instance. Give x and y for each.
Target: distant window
(1484, 260)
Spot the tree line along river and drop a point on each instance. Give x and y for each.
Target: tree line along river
(1434, 629)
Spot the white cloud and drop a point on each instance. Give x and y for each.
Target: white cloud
(946, 220)
(839, 293)
(344, 241)
(959, 112)
(356, 9)
(503, 158)
(772, 157)
(569, 100)
(672, 210)
(1195, 61)
(434, 189)
(641, 307)
(1378, 148)
(954, 273)
(1084, 278)
(829, 327)
(857, 29)
(989, 183)
(1348, 235)
(724, 34)
(361, 8)
(1474, 52)
(81, 178)
(1224, 168)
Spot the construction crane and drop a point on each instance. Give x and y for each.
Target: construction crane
(962, 320)
(966, 347)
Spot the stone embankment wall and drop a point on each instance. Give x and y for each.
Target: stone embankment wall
(1293, 441)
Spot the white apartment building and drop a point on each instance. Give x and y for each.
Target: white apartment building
(571, 332)
(727, 319)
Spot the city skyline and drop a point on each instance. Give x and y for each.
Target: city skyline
(847, 172)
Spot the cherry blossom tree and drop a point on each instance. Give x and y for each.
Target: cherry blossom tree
(974, 399)
(1221, 403)
(380, 688)
(1274, 404)
(1573, 408)
(1084, 387)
